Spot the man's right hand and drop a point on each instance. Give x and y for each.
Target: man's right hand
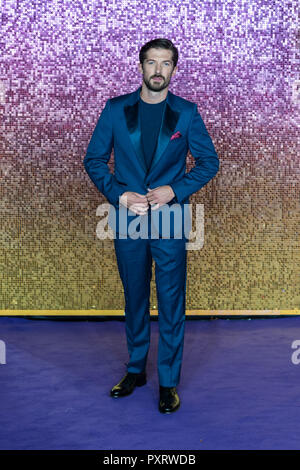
(136, 202)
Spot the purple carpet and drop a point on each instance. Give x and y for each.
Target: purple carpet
(239, 387)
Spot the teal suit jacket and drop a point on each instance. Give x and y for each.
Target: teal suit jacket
(182, 129)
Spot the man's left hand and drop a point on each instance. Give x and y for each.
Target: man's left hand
(159, 196)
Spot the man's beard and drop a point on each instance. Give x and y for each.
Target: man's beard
(157, 86)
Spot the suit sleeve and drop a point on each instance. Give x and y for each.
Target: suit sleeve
(207, 161)
(97, 156)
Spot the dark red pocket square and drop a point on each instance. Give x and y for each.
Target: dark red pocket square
(176, 135)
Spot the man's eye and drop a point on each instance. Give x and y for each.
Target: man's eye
(151, 62)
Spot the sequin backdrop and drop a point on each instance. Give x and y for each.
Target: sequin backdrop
(61, 60)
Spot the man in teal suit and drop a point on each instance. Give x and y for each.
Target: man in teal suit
(151, 131)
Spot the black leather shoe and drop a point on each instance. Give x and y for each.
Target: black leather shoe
(128, 383)
(169, 400)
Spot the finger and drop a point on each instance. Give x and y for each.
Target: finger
(142, 196)
(137, 209)
(138, 212)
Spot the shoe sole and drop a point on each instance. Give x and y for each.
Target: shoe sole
(170, 411)
(139, 383)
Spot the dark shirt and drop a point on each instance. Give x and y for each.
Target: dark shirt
(150, 120)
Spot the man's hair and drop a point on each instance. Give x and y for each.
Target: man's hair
(161, 43)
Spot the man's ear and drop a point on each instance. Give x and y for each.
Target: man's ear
(140, 67)
(174, 70)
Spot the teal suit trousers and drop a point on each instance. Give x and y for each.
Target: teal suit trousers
(134, 259)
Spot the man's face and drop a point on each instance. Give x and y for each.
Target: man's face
(157, 69)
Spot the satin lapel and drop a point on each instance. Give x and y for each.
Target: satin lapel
(134, 129)
(169, 121)
(168, 124)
